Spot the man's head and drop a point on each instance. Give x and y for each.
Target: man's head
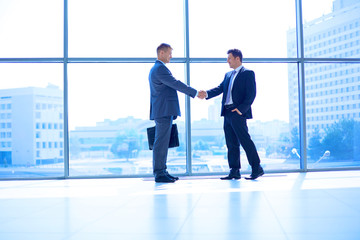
(235, 58)
(164, 52)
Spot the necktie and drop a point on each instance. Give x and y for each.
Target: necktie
(229, 87)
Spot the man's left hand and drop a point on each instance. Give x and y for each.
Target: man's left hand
(236, 110)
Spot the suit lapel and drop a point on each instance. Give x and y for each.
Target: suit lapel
(229, 77)
(239, 73)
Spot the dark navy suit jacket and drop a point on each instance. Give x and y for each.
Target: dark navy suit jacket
(164, 100)
(243, 91)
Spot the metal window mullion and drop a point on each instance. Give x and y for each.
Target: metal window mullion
(301, 85)
(66, 119)
(187, 98)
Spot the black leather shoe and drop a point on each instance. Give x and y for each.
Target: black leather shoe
(234, 174)
(164, 179)
(172, 177)
(255, 175)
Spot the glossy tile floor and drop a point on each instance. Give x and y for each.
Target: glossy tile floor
(294, 206)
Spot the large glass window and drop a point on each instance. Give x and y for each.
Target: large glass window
(331, 29)
(113, 28)
(276, 138)
(107, 102)
(333, 114)
(109, 109)
(26, 148)
(258, 27)
(31, 28)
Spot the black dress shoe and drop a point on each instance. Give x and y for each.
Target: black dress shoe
(234, 174)
(172, 177)
(164, 179)
(255, 175)
(230, 177)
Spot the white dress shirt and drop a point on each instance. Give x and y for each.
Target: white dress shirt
(237, 70)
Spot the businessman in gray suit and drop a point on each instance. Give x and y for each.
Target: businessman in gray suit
(164, 108)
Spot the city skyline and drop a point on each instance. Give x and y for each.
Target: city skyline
(107, 103)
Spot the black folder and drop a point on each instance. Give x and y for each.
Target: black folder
(174, 138)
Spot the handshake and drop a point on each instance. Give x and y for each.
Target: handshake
(202, 94)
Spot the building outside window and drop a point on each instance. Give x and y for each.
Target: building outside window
(92, 106)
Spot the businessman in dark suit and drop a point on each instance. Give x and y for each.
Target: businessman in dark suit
(164, 108)
(239, 91)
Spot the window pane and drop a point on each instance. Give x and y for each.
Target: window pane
(124, 28)
(109, 106)
(333, 114)
(274, 136)
(257, 27)
(26, 149)
(31, 28)
(331, 29)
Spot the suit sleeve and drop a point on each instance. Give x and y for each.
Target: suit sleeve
(167, 78)
(215, 91)
(250, 93)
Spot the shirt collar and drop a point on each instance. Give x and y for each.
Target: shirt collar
(160, 61)
(238, 68)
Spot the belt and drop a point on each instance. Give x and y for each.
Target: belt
(229, 106)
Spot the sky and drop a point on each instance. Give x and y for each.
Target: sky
(119, 28)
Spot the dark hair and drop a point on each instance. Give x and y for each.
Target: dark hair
(236, 53)
(163, 47)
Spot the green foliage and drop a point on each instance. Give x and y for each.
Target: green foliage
(357, 141)
(339, 139)
(295, 140)
(315, 148)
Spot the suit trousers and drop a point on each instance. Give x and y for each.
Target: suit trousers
(161, 143)
(236, 133)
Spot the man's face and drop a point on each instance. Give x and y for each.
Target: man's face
(166, 55)
(233, 62)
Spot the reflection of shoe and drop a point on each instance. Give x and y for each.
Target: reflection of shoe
(234, 174)
(255, 175)
(164, 179)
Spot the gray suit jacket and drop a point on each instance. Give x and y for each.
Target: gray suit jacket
(164, 100)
